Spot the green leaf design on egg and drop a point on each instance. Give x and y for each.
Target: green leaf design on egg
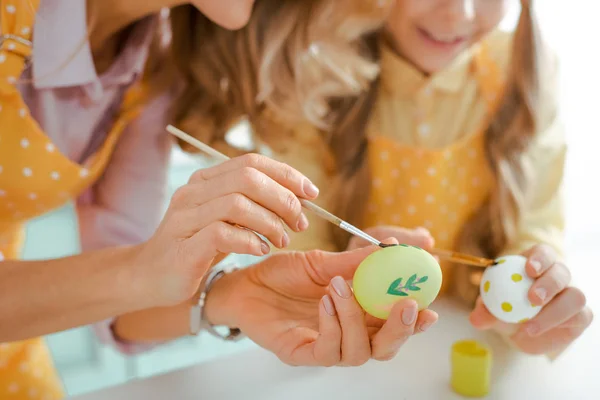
(397, 289)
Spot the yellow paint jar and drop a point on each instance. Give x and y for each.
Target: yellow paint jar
(471, 368)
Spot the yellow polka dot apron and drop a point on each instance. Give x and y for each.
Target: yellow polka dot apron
(35, 178)
(438, 189)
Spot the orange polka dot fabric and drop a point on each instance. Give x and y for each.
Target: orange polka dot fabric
(35, 178)
(437, 189)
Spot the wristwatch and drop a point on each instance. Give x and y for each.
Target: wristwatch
(198, 321)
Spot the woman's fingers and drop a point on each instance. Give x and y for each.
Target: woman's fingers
(403, 322)
(427, 318)
(252, 184)
(343, 337)
(221, 237)
(281, 173)
(355, 346)
(395, 331)
(327, 349)
(236, 209)
(322, 348)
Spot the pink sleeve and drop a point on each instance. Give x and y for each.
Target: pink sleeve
(127, 203)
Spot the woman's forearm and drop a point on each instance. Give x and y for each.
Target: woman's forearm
(169, 323)
(43, 297)
(159, 324)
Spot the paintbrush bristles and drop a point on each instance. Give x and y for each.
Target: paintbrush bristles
(463, 258)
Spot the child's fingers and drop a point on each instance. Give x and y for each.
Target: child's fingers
(582, 320)
(564, 306)
(550, 284)
(395, 332)
(390, 240)
(539, 259)
(419, 237)
(356, 346)
(480, 317)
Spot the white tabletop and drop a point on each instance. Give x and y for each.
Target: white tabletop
(421, 372)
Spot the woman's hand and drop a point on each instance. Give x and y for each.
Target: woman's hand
(214, 214)
(419, 237)
(563, 318)
(300, 307)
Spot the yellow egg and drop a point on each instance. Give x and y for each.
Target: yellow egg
(395, 273)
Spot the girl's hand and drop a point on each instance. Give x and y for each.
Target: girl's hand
(564, 316)
(213, 215)
(300, 307)
(419, 237)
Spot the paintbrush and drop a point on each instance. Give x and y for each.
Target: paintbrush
(326, 215)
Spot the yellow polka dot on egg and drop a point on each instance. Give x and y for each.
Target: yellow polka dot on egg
(507, 307)
(516, 277)
(523, 320)
(486, 286)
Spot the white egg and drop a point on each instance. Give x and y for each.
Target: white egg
(504, 290)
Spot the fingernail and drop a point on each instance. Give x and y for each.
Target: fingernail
(341, 287)
(302, 222)
(425, 326)
(536, 265)
(541, 293)
(265, 248)
(532, 329)
(409, 315)
(328, 304)
(285, 240)
(310, 189)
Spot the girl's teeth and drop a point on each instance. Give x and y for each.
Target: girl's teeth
(444, 40)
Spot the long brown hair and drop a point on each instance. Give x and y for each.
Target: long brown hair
(266, 66)
(317, 60)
